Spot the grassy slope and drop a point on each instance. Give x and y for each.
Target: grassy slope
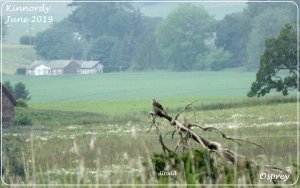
(122, 92)
(16, 56)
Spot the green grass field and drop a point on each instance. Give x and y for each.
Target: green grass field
(119, 93)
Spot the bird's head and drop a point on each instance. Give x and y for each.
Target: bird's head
(153, 100)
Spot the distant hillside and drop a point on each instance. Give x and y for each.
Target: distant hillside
(16, 56)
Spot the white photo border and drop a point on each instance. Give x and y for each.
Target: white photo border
(163, 1)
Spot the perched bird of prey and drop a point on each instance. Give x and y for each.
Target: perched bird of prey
(158, 109)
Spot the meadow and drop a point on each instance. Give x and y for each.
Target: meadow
(92, 129)
(75, 147)
(119, 93)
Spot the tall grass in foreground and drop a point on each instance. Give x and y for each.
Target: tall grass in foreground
(59, 148)
(96, 157)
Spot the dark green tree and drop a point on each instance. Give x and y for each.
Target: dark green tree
(148, 55)
(215, 59)
(59, 42)
(96, 19)
(181, 36)
(265, 25)
(20, 92)
(232, 36)
(278, 65)
(27, 40)
(243, 33)
(101, 48)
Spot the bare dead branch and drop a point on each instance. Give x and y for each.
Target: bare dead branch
(153, 116)
(164, 147)
(173, 134)
(179, 142)
(151, 125)
(178, 125)
(183, 141)
(231, 138)
(182, 110)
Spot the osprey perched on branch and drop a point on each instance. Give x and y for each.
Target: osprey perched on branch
(158, 109)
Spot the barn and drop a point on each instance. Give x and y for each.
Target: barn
(8, 107)
(91, 67)
(59, 67)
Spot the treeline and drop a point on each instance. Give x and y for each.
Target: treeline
(243, 34)
(118, 35)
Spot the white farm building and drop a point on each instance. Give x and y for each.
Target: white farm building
(59, 67)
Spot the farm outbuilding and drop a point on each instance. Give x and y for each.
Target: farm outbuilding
(91, 67)
(53, 67)
(59, 67)
(8, 107)
(42, 70)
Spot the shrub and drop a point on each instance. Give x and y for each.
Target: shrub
(21, 103)
(193, 166)
(198, 167)
(22, 117)
(21, 71)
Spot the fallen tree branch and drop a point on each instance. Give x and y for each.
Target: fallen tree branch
(185, 132)
(164, 147)
(190, 134)
(182, 110)
(230, 138)
(153, 123)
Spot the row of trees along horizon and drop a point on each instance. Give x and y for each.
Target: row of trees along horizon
(119, 36)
